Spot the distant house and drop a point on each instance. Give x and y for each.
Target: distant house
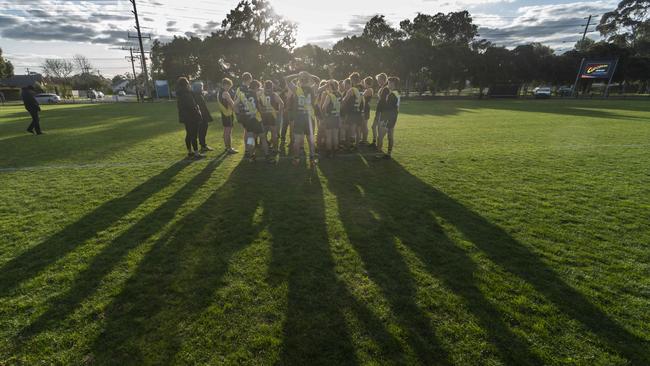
(21, 81)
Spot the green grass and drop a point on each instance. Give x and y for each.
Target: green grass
(503, 232)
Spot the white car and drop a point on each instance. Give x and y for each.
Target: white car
(121, 93)
(542, 92)
(46, 98)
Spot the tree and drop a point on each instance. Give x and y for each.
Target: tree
(258, 20)
(180, 58)
(6, 68)
(312, 59)
(83, 64)
(584, 44)
(626, 21)
(57, 68)
(380, 32)
(454, 27)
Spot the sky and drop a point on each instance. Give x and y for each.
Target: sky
(32, 30)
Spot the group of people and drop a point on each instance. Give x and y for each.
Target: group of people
(333, 115)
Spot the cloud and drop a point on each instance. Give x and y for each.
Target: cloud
(354, 27)
(556, 25)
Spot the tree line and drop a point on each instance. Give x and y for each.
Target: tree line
(441, 52)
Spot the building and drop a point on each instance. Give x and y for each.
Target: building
(21, 81)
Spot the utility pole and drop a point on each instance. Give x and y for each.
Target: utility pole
(142, 57)
(584, 35)
(135, 78)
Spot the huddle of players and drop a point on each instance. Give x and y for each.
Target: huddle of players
(332, 115)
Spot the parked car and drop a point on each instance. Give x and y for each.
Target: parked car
(46, 98)
(565, 91)
(542, 92)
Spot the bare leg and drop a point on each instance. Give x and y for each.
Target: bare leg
(375, 128)
(265, 145)
(391, 140)
(274, 137)
(364, 130)
(380, 141)
(329, 142)
(227, 137)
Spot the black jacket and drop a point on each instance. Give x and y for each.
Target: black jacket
(203, 107)
(188, 110)
(31, 104)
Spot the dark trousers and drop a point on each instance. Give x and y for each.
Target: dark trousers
(36, 122)
(191, 132)
(203, 131)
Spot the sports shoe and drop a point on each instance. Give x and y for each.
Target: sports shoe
(31, 132)
(206, 148)
(198, 155)
(231, 151)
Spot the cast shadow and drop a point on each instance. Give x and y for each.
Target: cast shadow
(384, 201)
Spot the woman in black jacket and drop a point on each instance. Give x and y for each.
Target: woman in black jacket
(189, 114)
(197, 89)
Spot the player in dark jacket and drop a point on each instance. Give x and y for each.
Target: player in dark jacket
(197, 89)
(189, 114)
(32, 106)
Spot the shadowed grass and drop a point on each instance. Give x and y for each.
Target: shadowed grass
(502, 233)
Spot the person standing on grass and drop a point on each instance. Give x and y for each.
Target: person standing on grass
(248, 114)
(301, 86)
(388, 118)
(330, 103)
(368, 93)
(189, 114)
(241, 94)
(354, 100)
(288, 115)
(272, 109)
(197, 89)
(226, 104)
(32, 106)
(381, 97)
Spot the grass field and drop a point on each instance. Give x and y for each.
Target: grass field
(502, 233)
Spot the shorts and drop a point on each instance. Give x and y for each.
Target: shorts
(354, 119)
(227, 121)
(388, 119)
(332, 123)
(268, 120)
(252, 125)
(301, 124)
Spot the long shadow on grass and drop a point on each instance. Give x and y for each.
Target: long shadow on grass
(88, 280)
(375, 211)
(31, 262)
(315, 331)
(178, 277)
(152, 318)
(404, 205)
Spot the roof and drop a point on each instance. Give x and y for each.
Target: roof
(21, 81)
